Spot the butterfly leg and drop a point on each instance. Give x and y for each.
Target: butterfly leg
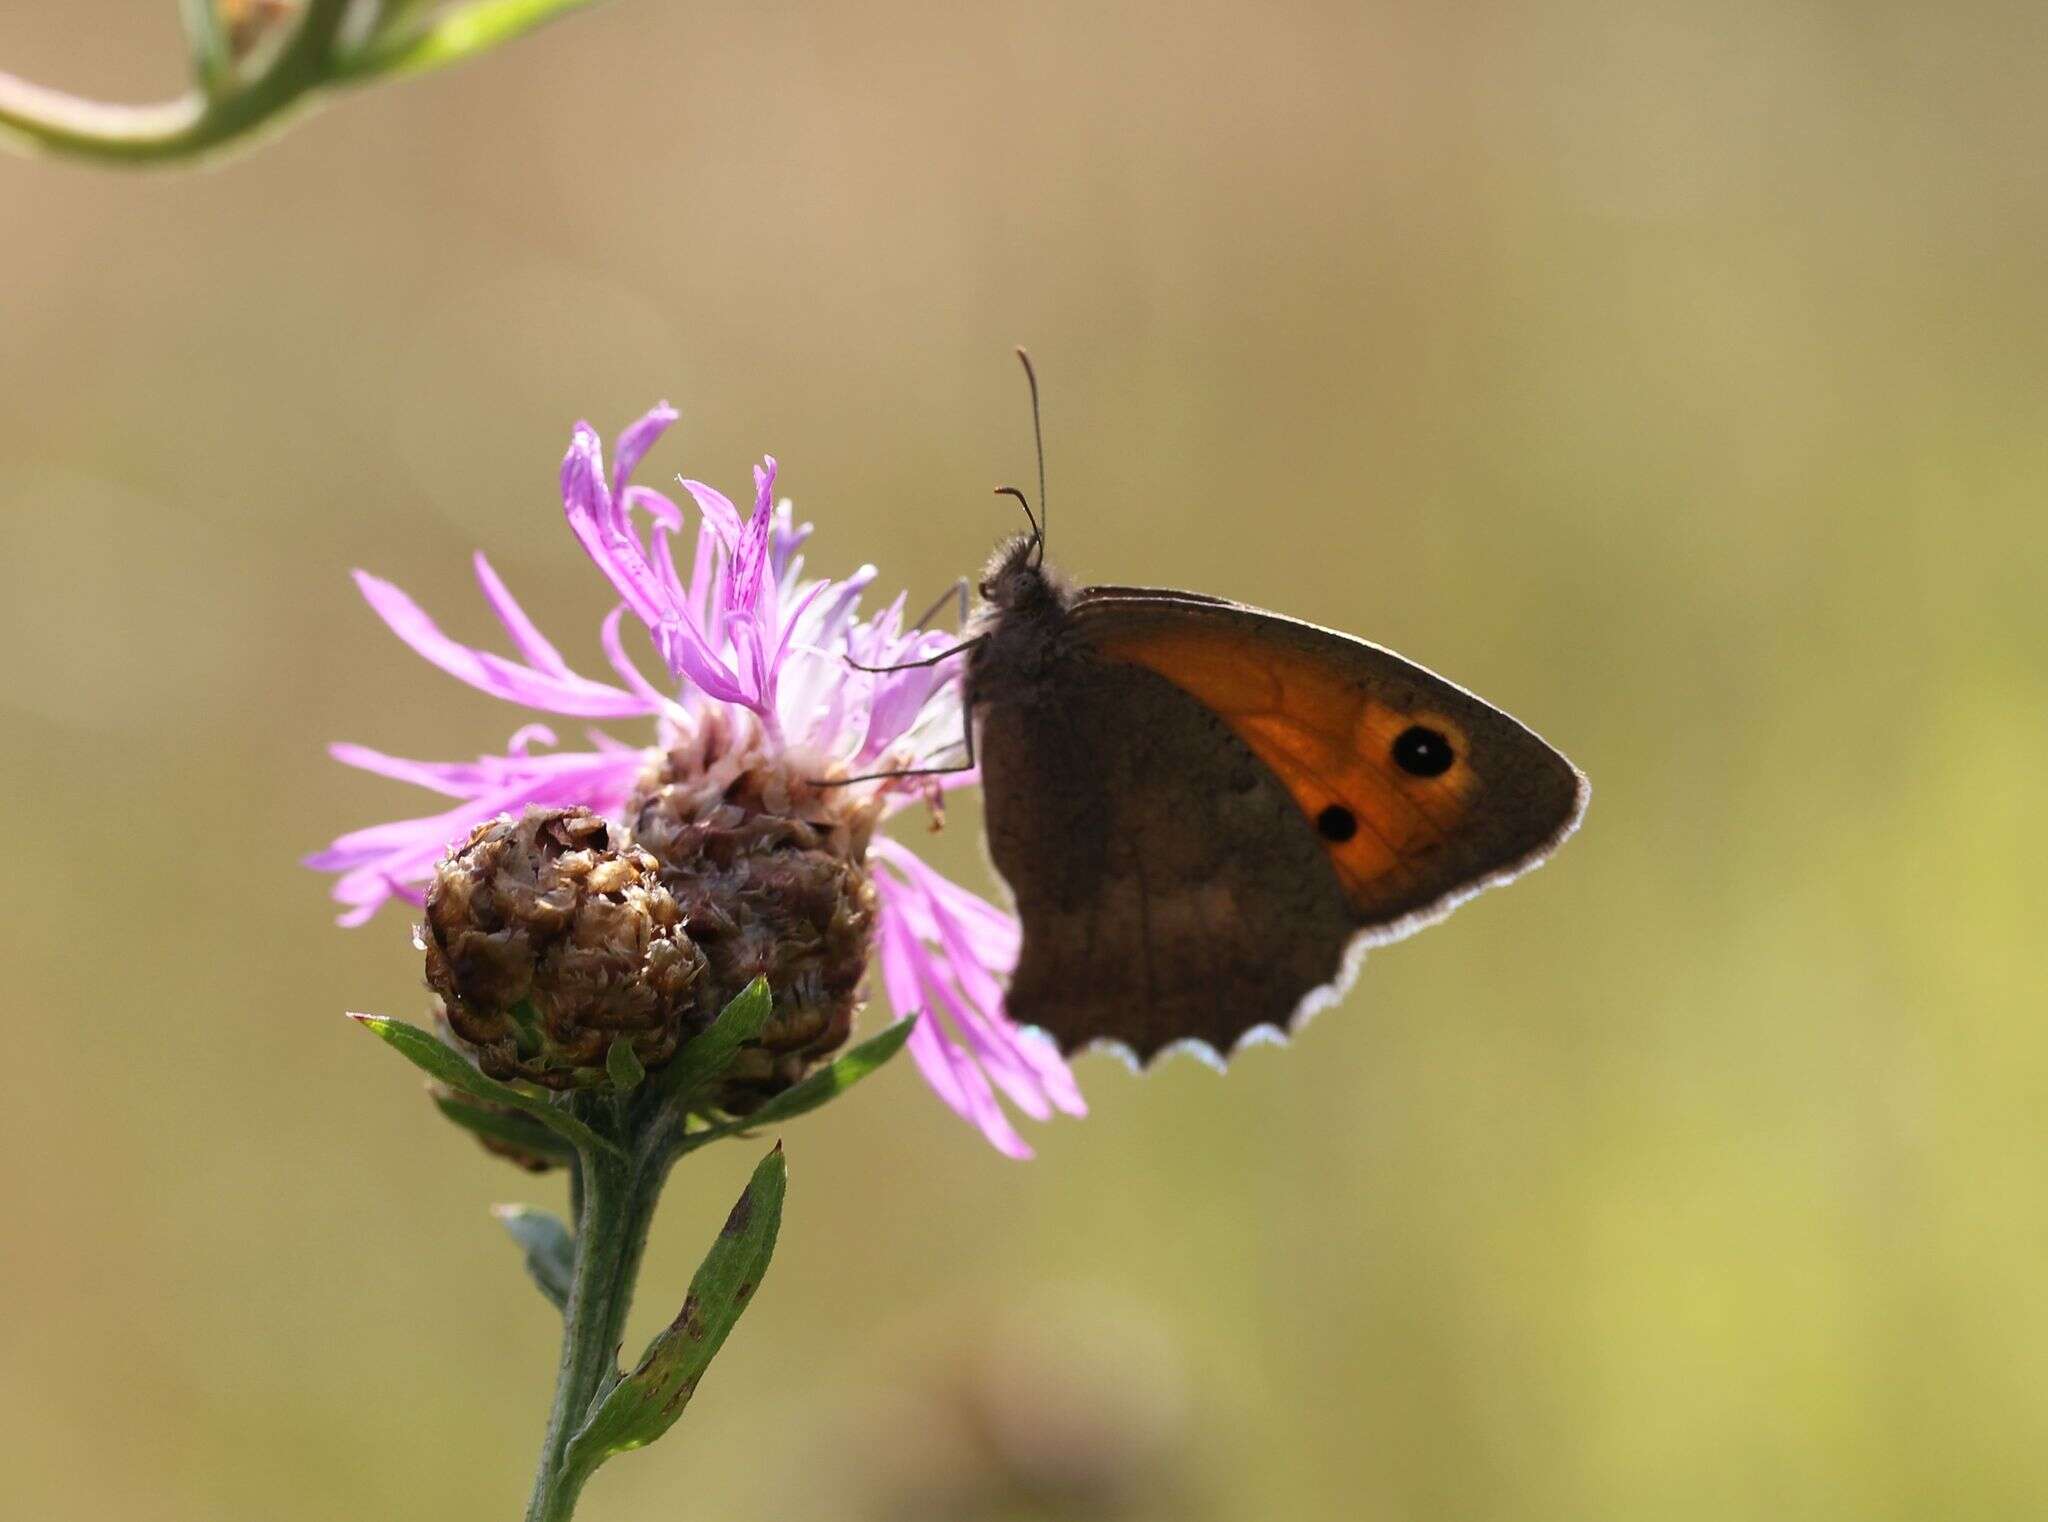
(967, 765)
(956, 593)
(930, 660)
(966, 716)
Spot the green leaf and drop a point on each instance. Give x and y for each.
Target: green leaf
(828, 1083)
(514, 1129)
(436, 1059)
(646, 1403)
(550, 1250)
(712, 1050)
(623, 1064)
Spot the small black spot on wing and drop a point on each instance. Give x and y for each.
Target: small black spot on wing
(1423, 752)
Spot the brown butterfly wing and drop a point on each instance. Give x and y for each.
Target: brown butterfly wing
(1325, 713)
(1168, 887)
(1156, 809)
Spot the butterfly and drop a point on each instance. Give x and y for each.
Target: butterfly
(1207, 813)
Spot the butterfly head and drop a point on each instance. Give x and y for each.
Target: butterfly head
(1015, 579)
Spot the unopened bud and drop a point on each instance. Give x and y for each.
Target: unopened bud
(547, 941)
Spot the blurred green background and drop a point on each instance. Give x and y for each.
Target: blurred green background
(1672, 374)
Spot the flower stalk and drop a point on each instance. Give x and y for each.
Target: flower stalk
(238, 92)
(625, 1139)
(617, 1201)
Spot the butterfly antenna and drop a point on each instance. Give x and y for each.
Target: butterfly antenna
(1037, 533)
(1038, 440)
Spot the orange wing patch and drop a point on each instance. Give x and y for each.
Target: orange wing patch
(1328, 740)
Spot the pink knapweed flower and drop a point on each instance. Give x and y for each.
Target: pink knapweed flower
(760, 676)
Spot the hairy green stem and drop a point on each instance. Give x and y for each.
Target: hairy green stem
(617, 1200)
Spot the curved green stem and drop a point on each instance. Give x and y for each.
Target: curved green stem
(183, 128)
(225, 107)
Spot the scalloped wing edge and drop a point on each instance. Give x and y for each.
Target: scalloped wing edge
(1369, 938)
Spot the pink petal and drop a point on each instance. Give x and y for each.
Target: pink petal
(1033, 1061)
(968, 1029)
(657, 506)
(689, 654)
(528, 639)
(951, 1074)
(634, 443)
(994, 935)
(455, 781)
(811, 595)
(700, 604)
(381, 861)
(719, 513)
(971, 1097)
(603, 530)
(615, 652)
(489, 673)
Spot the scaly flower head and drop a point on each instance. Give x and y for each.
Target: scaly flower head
(736, 785)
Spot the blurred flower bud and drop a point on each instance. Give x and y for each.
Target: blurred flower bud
(766, 868)
(547, 942)
(247, 24)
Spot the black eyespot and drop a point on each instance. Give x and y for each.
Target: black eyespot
(1423, 752)
(1337, 823)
